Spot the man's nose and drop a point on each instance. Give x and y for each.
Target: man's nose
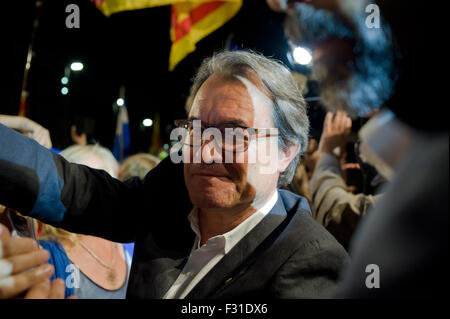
(211, 152)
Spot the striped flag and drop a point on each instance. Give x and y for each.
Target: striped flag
(191, 20)
(122, 142)
(156, 143)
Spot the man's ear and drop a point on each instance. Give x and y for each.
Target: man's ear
(287, 155)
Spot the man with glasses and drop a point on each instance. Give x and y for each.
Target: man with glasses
(246, 129)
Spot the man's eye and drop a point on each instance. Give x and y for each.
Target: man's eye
(233, 127)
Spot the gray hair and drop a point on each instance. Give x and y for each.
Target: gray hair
(289, 107)
(137, 165)
(79, 153)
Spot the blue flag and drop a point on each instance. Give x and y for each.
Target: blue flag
(122, 143)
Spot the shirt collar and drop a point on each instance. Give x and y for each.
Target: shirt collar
(232, 237)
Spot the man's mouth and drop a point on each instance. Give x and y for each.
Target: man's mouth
(209, 173)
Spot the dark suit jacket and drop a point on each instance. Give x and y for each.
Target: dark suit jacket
(287, 255)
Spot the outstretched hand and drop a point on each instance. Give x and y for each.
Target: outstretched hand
(29, 128)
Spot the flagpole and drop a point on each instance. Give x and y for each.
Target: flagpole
(24, 92)
(121, 146)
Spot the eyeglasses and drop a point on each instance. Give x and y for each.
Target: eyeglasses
(228, 137)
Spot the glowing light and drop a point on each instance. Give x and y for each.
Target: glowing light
(77, 66)
(64, 80)
(64, 90)
(120, 102)
(302, 56)
(147, 122)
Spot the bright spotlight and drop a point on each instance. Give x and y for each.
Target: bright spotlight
(64, 80)
(302, 56)
(147, 122)
(76, 66)
(120, 102)
(64, 90)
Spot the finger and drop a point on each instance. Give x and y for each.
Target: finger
(328, 122)
(4, 236)
(336, 120)
(43, 138)
(13, 246)
(6, 268)
(48, 140)
(348, 125)
(26, 261)
(4, 233)
(346, 122)
(28, 125)
(340, 121)
(39, 291)
(349, 166)
(40, 137)
(14, 285)
(57, 289)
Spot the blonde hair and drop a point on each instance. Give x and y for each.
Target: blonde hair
(57, 234)
(137, 165)
(78, 154)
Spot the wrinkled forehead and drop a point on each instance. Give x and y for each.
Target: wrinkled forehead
(240, 99)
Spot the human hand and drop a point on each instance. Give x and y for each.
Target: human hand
(336, 130)
(23, 268)
(29, 128)
(46, 290)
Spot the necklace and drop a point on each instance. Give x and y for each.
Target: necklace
(111, 275)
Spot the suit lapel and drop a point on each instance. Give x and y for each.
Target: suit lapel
(168, 278)
(224, 270)
(154, 268)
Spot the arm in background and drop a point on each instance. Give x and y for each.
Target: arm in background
(43, 185)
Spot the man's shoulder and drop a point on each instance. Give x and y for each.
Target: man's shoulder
(291, 200)
(308, 259)
(302, 228)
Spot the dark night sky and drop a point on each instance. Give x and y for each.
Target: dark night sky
(129, 49)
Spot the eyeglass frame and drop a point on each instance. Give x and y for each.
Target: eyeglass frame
(180, 123)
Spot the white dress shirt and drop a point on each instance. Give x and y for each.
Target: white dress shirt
(204, 258)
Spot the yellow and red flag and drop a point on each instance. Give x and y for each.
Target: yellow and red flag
(191, 20)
